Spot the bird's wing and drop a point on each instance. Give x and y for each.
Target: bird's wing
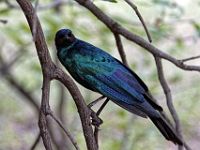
(99, 62)
(114, 93)
(145, 90)
(111, 78)
(107, 70)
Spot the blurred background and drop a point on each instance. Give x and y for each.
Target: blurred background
(175, 29)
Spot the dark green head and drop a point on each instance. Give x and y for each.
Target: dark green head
(64, 38)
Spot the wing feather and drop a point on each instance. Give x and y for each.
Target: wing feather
(122, 84)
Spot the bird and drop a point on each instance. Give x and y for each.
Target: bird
(98, 71)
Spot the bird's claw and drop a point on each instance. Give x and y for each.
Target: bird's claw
(96, 121)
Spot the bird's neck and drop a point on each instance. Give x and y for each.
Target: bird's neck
(71, 45)
(62, 51)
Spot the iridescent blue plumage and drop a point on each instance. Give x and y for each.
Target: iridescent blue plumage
(100, 72)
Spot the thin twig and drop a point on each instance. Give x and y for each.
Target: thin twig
(168, 95)
(141, 19)
(54, 134)
(83, 109)
(66, 131)
(120, 49)
(63, 143)
(37, 140)
(190, 58)
(117, 28)
(61, 105)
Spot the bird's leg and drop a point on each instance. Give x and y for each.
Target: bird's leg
(102, 107)
(96, 101)
(96, 121)
(96, 128)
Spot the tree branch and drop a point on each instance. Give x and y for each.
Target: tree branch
(45, 108)
(83, 110)
(51, 71)
(170, 105)
(37, 140)
(190, 58)
(140, 17)
(66, 131)
(120, 49)
(117, 28)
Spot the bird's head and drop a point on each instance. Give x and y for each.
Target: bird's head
(64, 38)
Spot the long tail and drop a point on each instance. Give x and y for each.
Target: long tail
(166, 130)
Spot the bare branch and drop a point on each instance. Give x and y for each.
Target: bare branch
(61, 108)
(120, 49)
(37, 140)
(117, 28)
(66, 131)
(45, 108)
(83, 110)
(190, 58)
(170, 105)
(140, 17)
(167, 92)
(50, 71)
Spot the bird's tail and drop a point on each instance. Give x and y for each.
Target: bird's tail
(166, 130)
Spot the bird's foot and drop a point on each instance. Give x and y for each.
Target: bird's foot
(96, 120)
